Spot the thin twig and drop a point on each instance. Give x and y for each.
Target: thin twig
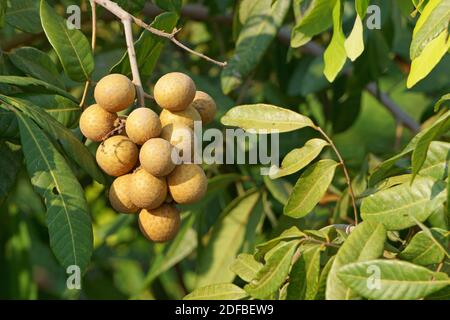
(344, 167)
(133, 63)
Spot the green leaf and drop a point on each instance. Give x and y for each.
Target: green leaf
(62, 109)
(398, 280)
(436, 162)
(259, 29)
(35, 85)
(280, 189)
(246, 267)
(323, 279)
(221, 291)
(274, 273)
(299, 158)
(265, 117)
(310, 188)
(366, 242)
(229, 232)
(36, 64)
(442, 100)
(424, 251)
(3, 6)
(420, 151)
(430, 235)
(361, 7)
(422, 65)
(10, 162)
(24, 15)
(288, 234)
(148, 47)
(74, 147)
(354, 44)
(9, 127)
(169, 5)
(396, 206)
(335, 54)
(304, 276)
(68, 220)
(432, 22)
(316, 19)
(72, 47)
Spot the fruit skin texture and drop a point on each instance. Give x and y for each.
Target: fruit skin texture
(115, 92)
(205, 105)
(146, 190)
(185, 117)
(174, 91)
(182, 138)
(156, 157)
(96, 122)
(143, 124)
(117, 155)
(187, 183)
(161, 224)
(119, 195)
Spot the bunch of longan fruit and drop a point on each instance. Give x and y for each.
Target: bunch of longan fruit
(150, 155)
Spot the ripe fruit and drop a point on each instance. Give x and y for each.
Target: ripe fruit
(161, 224)
(96, 122)
(117, 155)
(182, 138)
(186, 117)
(115, 92)
(143, 124)
(119, 195)
(187, 183)
(146, 190)
(174, 91)
(205, 105)
(156, 157)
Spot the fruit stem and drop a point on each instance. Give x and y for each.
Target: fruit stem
(344, 168)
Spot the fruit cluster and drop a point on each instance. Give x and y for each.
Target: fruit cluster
(150, 155)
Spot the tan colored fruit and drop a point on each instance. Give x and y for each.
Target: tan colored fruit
(174, 91)
(115, 92)
(142, 125)
(146, 190)
(117, 155)
(119, 195)
(205, 105)
(187, 183)
(161, 224)
(182, 138)
(96, 122)
(156, 157)
(185, 117)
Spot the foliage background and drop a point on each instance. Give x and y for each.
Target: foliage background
(239, 202)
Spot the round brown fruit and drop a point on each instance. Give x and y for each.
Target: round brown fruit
(96, 122)
(174, 91)
(142, 124)
(186, 117)
(117, 155)
(187, 183)
(146, 190)
(182, 138)
(161, 224)
(205, 105)
(119, 195)
(156, 157)
(115, 92)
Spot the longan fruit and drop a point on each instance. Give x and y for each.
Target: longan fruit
(117, 155)
(119, 195)
(174, 91)
(146, 190)
(115, 92)
(143, 124)
(205, 105)
(187, 183)
(186, 117)
(161, 224)
(156, 157)
(96, 122)
(182, 138)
